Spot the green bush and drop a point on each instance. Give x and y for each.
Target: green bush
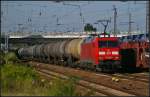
(15, 78)
(22, 80)
(18, 79)
(2, 61)
(63, 88)
(10, 57)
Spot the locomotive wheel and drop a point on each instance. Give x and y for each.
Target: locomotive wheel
(80, 65)
(98, 69)
(92, 67)
(104, 68)
(108, 68)
(113, 68)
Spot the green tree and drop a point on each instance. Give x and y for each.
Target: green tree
(94, 29)
(89, 27)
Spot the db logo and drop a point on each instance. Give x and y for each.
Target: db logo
(108, 51)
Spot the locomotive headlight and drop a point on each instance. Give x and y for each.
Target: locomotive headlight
(101, 53)
(115, 52)
(100, 58)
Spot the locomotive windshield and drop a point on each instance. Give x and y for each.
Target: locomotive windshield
(107, 44)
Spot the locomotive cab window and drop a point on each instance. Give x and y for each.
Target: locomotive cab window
(108, 44)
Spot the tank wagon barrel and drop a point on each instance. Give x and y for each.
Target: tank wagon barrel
(73, 48)
(46, 52)
(26, 53)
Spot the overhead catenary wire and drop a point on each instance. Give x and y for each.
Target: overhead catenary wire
(68, 15)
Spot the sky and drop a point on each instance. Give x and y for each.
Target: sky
(43, 16)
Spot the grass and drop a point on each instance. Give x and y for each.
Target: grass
(18, 79)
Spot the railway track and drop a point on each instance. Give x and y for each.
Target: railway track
(141, 75)
(99, 89)
(80, 89)
(131, 87)
(133, 77)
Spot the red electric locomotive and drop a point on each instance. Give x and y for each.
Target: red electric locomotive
(102, 51)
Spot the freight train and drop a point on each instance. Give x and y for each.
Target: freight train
(94, 52)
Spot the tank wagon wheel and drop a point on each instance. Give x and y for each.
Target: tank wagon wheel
(45, 59)
(51, 60)
(40, 58)
(61, 61)
(55, 61)
(70, 62)
(65, 62)
(81, 65)
(48, 60)
(91, 66)
(87, 66)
